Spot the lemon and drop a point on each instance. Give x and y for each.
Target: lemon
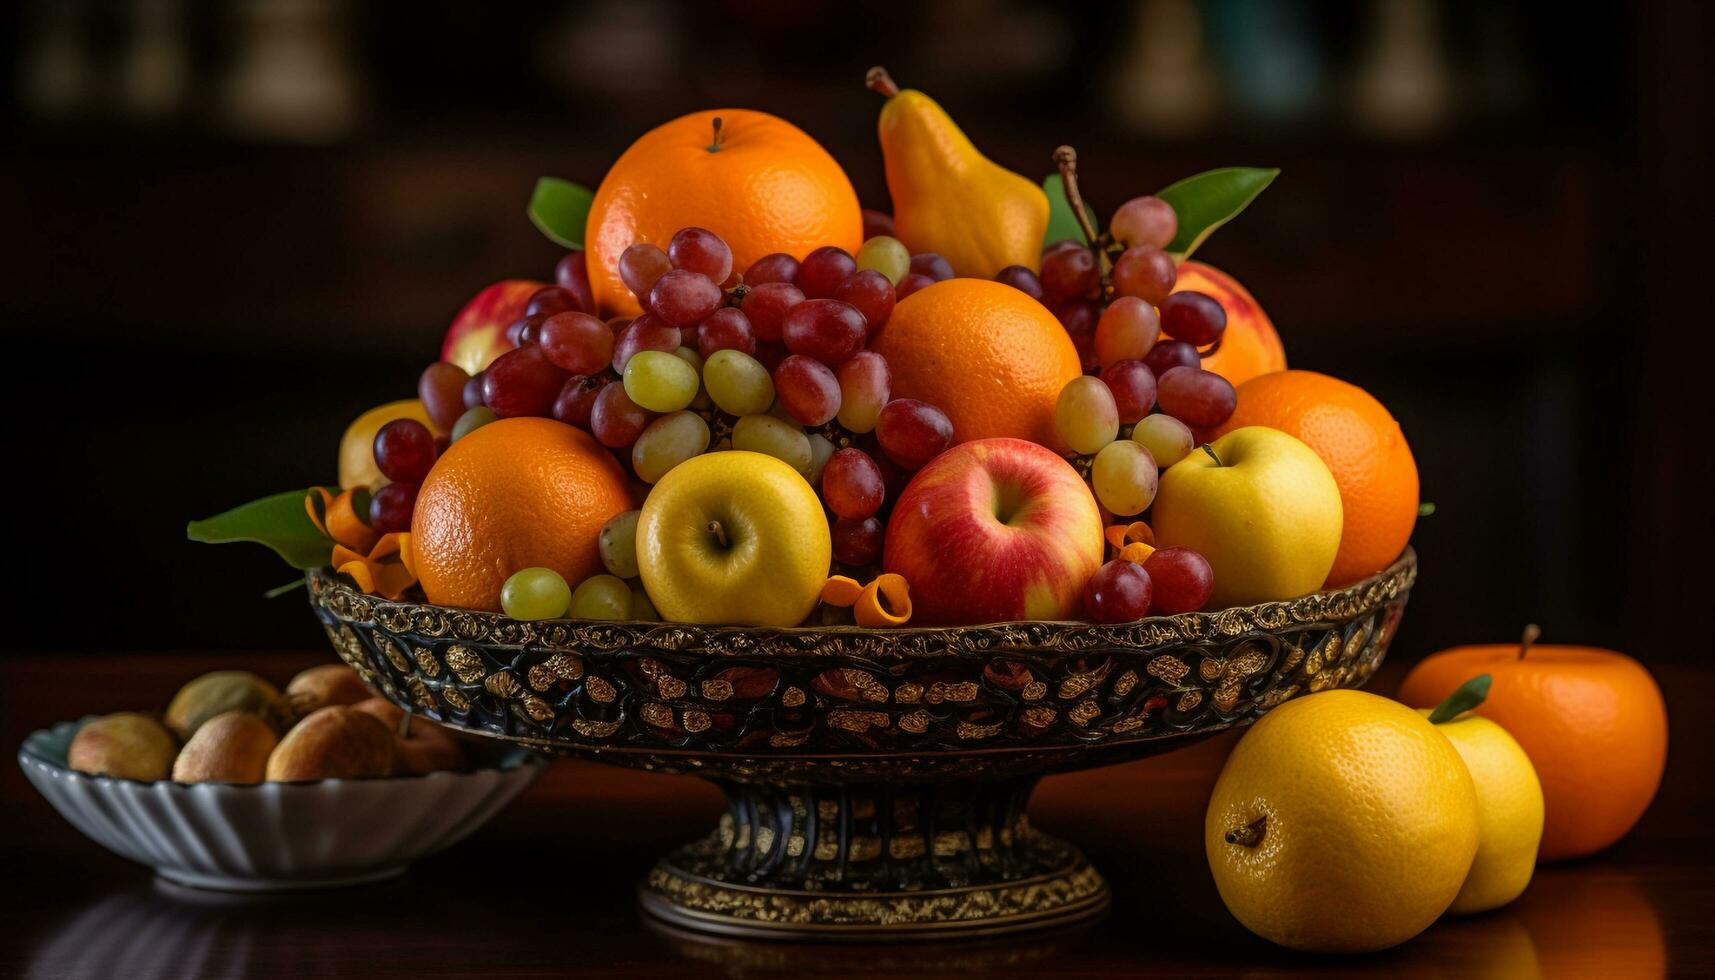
(1342, 822)
(1509, 812)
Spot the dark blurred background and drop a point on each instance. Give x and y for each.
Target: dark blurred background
(230, 228)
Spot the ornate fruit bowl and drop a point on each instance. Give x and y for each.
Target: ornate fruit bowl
(876, 780)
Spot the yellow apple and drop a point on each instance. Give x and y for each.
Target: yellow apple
(1261, 506)
(733, 537)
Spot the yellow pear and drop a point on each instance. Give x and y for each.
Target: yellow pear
(947, 197)
(1509, 801)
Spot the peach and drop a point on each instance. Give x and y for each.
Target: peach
(424, 746)
(127, 745)
(320, 687)
(229, 748)
(333, 743)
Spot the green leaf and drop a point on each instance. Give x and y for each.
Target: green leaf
(1468, 696)
(1211, 199)
(560, 208)
(278, 522)
(290, 587)
(1426, 509)
(1062, 223)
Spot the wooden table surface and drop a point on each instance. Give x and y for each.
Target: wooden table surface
(547, 888)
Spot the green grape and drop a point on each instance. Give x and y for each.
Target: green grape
(738, 383)
(888, 256)
(601, 597)
(1085, 415)
(659, 381)
(1167, 439)
(535, 593)
(1124, 477)
(642, 609)
(778, 410)
(770, 436)
(669, 441)
(821, 448)
(701, 402)
(617, 543)
(472, 420)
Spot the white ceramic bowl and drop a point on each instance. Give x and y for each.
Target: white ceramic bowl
(273, 836)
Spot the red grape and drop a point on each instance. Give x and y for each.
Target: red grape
(872, 294)
(615, 420)
(390, 507)
(1196, 318)
(932, 265)
(522, 382)
(913, 432)
(1196, 397)
(639, 266)
(912, 282)
(766, 305)
(441, 390)
(1182, 579)
(473, 391)
(404, 450)
(521, 332)
(1079, 317)
(851, 484)
(549, 300)
(577, 398)
(647, 332)
(826, 329)
(573, 275)
(770, 355)
(684, 298)
(576, 342)
(1133, 387)
(1070, 272)
(857, 542)
(726, 329)
(808, 389)
(701, 250)
(1119, 592)
(1146, 272)
(877, 223)
(823, 270)
(1127, 330)
(866, 384)
(1022, 279)
(774, 267)
(1145, 221)
(1169, 354)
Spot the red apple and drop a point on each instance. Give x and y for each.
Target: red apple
(995, 530)
(478, 333)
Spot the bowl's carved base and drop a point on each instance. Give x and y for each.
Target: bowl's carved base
(882, 862)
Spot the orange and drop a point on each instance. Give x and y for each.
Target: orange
(1592, 722)
(1250, 345)
(1364, 449)
(517, 493)
(988, 355)
(767, 187)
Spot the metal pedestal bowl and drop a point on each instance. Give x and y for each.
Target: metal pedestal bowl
(876, 780)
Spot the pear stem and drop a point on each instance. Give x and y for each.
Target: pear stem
(1532, 633)
(879, 81)
(1251, 834)
(1211, 451)
(1066, 159)
(715, 145)
(720, 534)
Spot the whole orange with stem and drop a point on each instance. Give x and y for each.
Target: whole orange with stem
(1249, 346)
(517, 493)
(759, 182)
(988, 355)
(1592, 721)
(1364, 449)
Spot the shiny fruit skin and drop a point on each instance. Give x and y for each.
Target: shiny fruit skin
(765, 564)
(683, 298)
(1267, 516)
(647, 332)
(574, 277)
(726, 329)
(1119, 592)
(617, 542)
(852, 484)
(472, 420)
(1124, 478)
(576, 342)
(826, 330)
(668, 442)
(866, 386)
(1146, 220)
(1193, 317)
(1126, 330)
(931, 264)
(357, 446)
(477, 334)
(770, 436)
(1364, 448)
(886, 255)
(701, 251)
(823, 270)
(1182, 578)
(1249, 346)
(441, 390)
(808, 389)
(1167, 439)
(522, 382)
(1370, 824)
(773, 267)
(1509, 812)
(872, 295)
(1592, 721)
(615, 420)
(577, 399)
(1085, 416)
(766, 307)
(993, 359)
(600, 597)
(404, 450)
(1169, 354)
(767, 187)
(1145, 272)
(1198, 398)
(390, 507)
(857, 541)
(912, 432)
(912, 282)
(738, 383)
(658, 381)
(1133, 386)
(515, 493)
(1022, 279)
(535, 593)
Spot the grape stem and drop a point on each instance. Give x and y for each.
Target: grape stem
(1251, 834)
(715, 145)
(1532, 633)
(1211, 451)
(1066, 159)
(720, 534)
(879, 81)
